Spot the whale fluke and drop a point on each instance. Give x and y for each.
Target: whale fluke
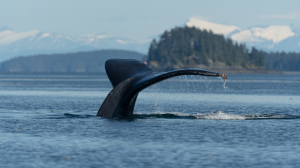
(128, 77)
(118, 70)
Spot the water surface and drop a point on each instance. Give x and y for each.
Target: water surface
(49, 120)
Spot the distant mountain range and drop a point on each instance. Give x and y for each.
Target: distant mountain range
(13, 44)
(34, 42)
(270, 38)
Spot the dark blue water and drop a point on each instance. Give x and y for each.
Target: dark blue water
(49, 120)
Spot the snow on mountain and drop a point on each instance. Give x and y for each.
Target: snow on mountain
(214, 27)
(14, 44)
(246, 36)
(271, 38)
(274, 33)
(8, 36)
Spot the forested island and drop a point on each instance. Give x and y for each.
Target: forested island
(92, 61)
(189, 47)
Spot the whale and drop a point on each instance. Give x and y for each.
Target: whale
(129, 77)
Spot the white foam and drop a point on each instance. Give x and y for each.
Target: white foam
(220, 115)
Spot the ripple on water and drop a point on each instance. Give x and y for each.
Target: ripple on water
(218, 115)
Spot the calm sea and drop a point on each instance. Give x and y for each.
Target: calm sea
(49, 120)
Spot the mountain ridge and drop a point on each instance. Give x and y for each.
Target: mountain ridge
(270, 38)
(91, 61)
(13, 44)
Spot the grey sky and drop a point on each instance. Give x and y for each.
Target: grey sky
(138, 20)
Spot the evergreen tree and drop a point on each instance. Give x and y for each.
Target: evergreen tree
(183, 47)
(282, 61)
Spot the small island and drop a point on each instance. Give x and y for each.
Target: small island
(189, 47)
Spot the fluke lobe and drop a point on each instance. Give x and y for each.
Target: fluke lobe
(129, 77)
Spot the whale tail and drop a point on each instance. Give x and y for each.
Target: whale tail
(128, 77)
(118, 70)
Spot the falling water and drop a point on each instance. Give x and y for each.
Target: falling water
(194, 95)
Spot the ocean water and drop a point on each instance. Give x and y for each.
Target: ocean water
(251, 120)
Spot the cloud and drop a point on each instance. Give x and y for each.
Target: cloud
(291, 15)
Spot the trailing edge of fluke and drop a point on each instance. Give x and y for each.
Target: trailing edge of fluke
(129, 77)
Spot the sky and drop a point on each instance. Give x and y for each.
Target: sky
(138, 20)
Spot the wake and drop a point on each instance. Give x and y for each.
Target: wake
(218, 115)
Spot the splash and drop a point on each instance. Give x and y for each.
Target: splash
(224, 85)
(218, 115)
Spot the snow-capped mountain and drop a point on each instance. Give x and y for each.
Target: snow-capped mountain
(272, 38)
(14, 44)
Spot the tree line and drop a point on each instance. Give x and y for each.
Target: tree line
(91, 61)
(185, 47)
(282, 61)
